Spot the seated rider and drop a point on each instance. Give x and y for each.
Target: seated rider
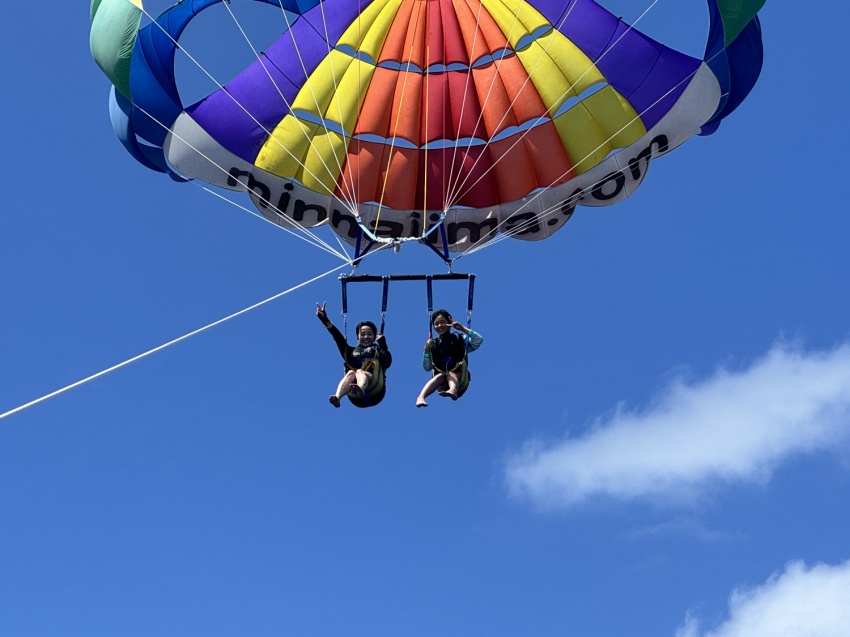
(364, 381)
(445, 357)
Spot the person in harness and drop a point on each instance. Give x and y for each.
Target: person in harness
(446, 358)
(364, 381)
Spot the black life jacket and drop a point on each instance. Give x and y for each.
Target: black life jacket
(448, 351)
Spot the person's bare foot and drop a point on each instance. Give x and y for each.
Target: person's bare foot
(420, 402)
(355, 391)
(334, 400)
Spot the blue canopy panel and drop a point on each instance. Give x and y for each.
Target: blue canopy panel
(143, 126)
(736, 63)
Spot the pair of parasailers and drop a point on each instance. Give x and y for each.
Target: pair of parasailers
(365, 364)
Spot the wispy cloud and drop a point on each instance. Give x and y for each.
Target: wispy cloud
(735, 426)
(690, 527)
(800, 602)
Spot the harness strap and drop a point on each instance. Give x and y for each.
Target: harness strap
(344, 283)
(386, 281)
(469, 301)
(429, 285)
(445, 254)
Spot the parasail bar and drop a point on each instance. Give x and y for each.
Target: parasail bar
(374, 278)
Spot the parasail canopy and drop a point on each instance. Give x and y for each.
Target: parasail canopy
(446, 121)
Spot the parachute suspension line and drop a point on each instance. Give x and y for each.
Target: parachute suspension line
(538, 217)
(559, 206)
(444, 135)
(427, 121)
(497, 66)
(317, 243)
(398, 116)
(426, 231)
(349, 197)
(343, 248)
(344, 186)
(268, 203)
(163, 346)
(235, 101)
(458, 195)
(349, 201)
(575, 196)
(360, 100)
(522, 135)
(316, 240)
(451, 176)
(262, 62)
(542, 216)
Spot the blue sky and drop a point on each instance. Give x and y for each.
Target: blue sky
(655, 442)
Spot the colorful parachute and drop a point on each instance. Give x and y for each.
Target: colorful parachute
(395, 118)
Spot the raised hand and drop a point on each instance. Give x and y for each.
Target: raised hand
(321, 313)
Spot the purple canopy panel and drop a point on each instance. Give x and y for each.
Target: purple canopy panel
(649, 75)
(241, 116)
(590, 27)
(335, 17)
(662, 88)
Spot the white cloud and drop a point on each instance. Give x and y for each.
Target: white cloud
(681, 526)
(800, 602)
(736, 426)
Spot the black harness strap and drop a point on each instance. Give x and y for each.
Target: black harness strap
(469, 301)
(384, 299)
(428, 280)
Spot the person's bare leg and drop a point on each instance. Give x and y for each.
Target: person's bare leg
(429, 388)
(452, 380)
(362, 380)
(343, 388)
